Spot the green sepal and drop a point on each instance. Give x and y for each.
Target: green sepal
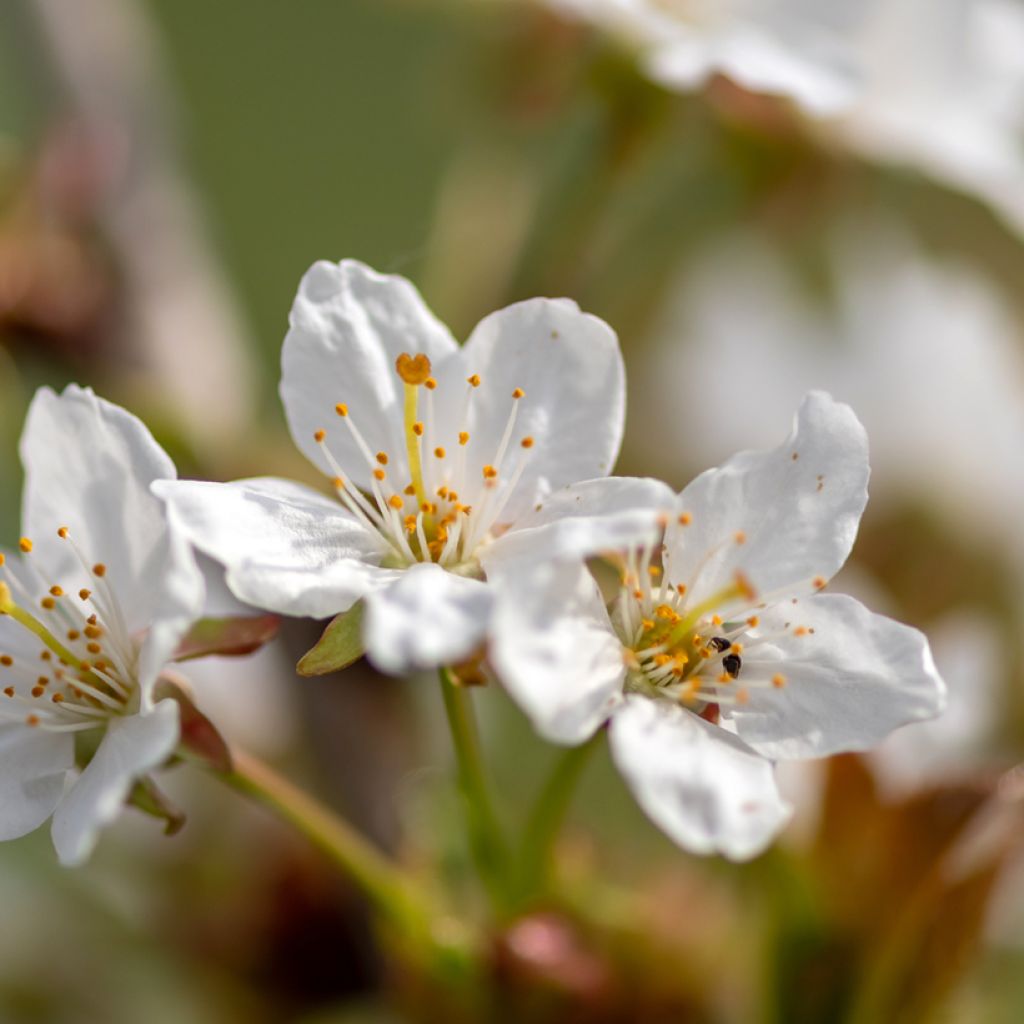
(340, 645)
(147, 797)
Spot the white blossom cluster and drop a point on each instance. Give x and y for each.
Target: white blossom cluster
(474, 518)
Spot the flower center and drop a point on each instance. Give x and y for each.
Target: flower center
(451, 502)
(693, 653)
(85, 673)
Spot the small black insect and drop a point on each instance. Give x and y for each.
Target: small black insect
(732, 663)
(719, 643)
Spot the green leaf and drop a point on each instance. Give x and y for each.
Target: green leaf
(230, 637)
(340, 645)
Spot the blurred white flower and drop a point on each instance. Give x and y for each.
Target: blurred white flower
(794, 48)
(94, 605)
(441, 457)
(726, 654)
(927, 353)
(934, 84)
(943, 91)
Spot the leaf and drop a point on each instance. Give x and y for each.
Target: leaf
(147, 797)
(229, 637)
(199, 736)
(340, 645)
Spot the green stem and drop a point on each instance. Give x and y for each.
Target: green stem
(548, 815)
(385, 884)
(487, 844)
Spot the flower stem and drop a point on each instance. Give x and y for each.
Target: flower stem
(384, 883)
(545, 821)
(487, 844)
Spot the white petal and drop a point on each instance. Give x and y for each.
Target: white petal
(427, 618)
(698, 783)
(584, 519)
(783, 517)
(286, 547)
(33, 766)
(179, 593)
(569, 365)
(131, 747)
(851, 677)
(555, 651)
(88, 466)
(348, 325)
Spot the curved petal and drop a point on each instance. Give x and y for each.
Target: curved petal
(180, 595)
(131, 747)
(554, 650)
(286, 547)
(88, 466)
(348, 325)
(698, 783)
(427, 618)
(850, 677)
(584, 519)
(785, 518)
(33, 766)
(569, 365)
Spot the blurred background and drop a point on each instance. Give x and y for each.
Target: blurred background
(168, 170)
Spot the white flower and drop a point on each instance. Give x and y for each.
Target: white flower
(934, 84)
(442, 458)
(95, 604)
(796, 49)
(944, 92)
(724, 655)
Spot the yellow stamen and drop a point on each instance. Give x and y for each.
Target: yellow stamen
(33, 625)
